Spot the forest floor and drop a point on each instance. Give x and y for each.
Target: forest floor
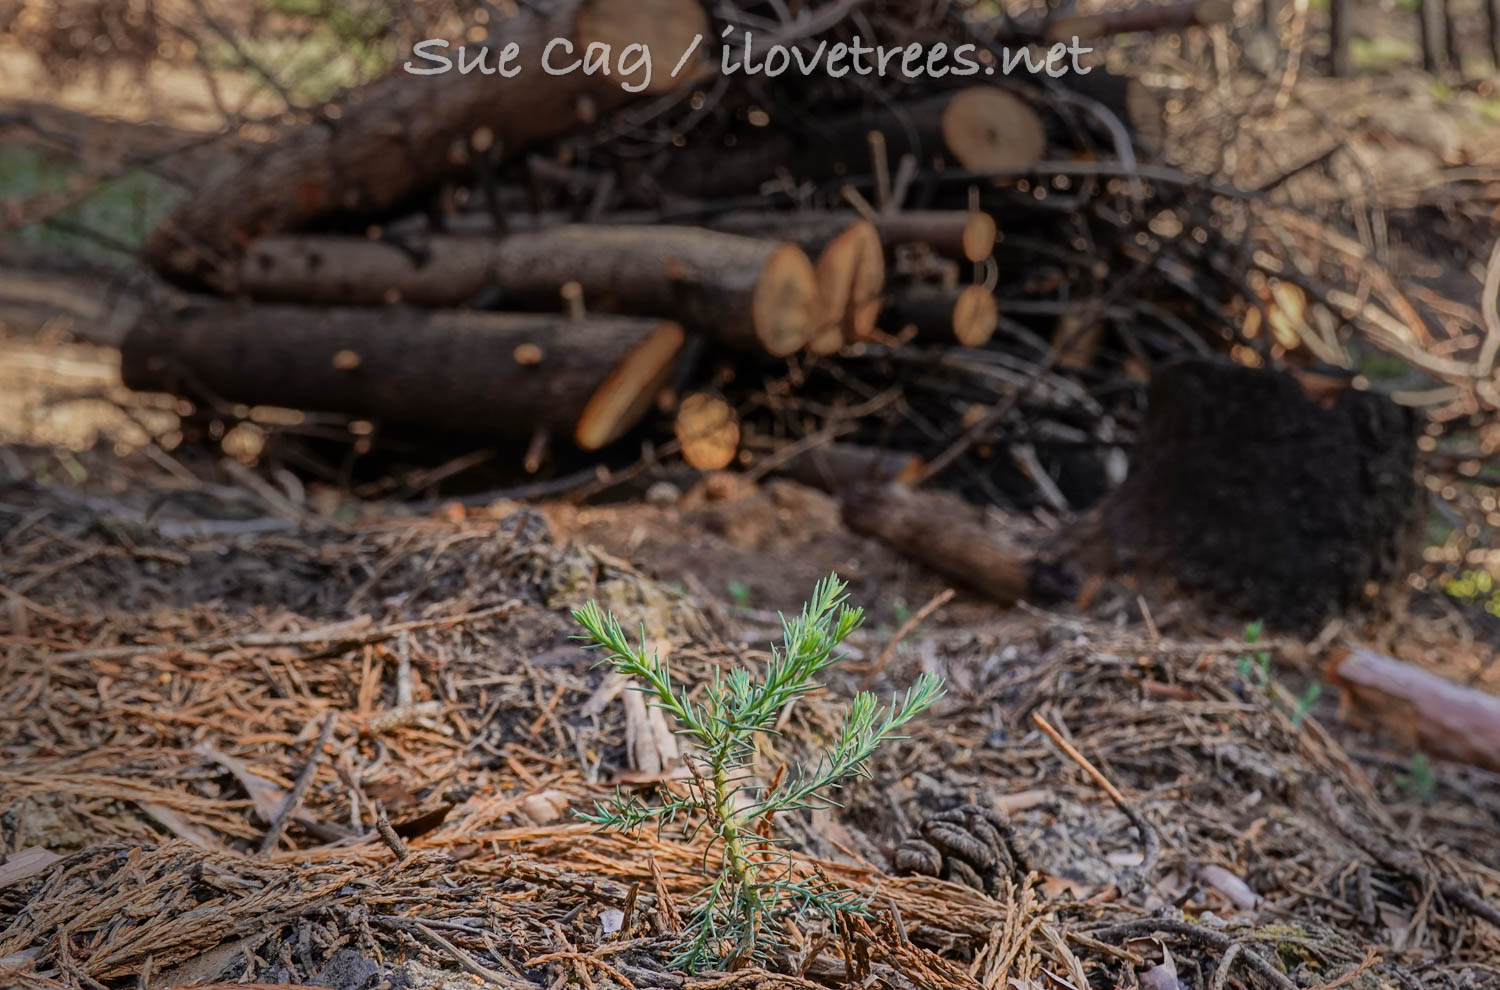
(171, 655)
(176, 629)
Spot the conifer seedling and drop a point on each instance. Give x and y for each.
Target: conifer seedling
(739, 916)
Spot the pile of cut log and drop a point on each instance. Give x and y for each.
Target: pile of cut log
(856, 279)
(946, 267)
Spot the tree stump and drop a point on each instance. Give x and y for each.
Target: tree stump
(1286, 504)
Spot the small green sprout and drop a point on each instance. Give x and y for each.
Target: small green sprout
(1256, 671)
(1420, 782)
(741, 594)
(738, 918)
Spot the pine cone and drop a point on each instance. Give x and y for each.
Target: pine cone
(968, 845)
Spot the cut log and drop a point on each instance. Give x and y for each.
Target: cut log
(1246, 489)
(848, 259)
(591, 379)
(708, 430)
(751, 293)
(980, 128)
(1416, 707)
(851, 269)
(953, 538)
(405, 133)
(837, 468)
(958, 234)
(967, 316)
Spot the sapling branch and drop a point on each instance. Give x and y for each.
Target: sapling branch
(739, 914)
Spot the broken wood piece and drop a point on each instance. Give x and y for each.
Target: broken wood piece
(649, 740)
(708, 429)
(25, 864)
(407, 132)
(963, 235)
(752, 293)
(1419, 709)
(966, 316)
(950, 536)
(594, 380)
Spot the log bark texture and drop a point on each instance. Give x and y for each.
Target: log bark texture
(512, 375)
(953, 538)
(959, 234)
(401, 135)
(751, 293)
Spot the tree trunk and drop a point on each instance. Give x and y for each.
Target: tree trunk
(589, 379)
(1338, 36)
(1430, 21)
(966, 316)
(1175, 17)
(406, 133)
(753, 294)
(1492, 23)
(1277, 504)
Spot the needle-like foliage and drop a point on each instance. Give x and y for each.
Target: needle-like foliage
(738, 916)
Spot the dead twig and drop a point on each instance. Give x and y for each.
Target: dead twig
(299, 787)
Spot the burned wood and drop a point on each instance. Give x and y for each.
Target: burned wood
(1312, 516)
(593, 380)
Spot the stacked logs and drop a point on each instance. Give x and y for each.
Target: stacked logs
(557, 283)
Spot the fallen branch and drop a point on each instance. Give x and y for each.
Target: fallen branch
(1422, 710)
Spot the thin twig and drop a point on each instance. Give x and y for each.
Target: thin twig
(299, 787)
(1149, 838)
(938, 601)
